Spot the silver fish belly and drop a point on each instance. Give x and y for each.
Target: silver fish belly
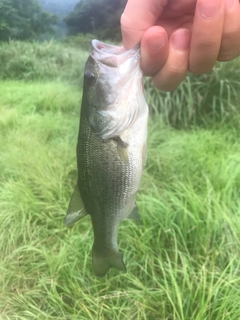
(111, 148)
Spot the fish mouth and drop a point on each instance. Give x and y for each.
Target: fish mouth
(111, 55)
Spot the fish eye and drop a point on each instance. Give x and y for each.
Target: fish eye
(90, 77)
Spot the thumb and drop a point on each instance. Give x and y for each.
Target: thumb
(138, 16)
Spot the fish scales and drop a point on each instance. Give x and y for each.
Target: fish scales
(111, 148)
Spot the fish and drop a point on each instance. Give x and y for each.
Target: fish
(111, 149)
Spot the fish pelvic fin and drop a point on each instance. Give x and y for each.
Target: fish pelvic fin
(103, 262)
(76, 210)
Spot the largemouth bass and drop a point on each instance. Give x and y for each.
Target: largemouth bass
(111, 148)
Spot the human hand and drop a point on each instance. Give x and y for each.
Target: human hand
(180, 36)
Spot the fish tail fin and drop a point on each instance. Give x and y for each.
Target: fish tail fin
(103, 262)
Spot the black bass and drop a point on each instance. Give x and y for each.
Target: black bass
(111, 148)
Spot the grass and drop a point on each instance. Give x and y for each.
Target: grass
(183, 262)
(199, 99)
(212, 97)
(45, 61)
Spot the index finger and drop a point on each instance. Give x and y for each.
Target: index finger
(138, 16)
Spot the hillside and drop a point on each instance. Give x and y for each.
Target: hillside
(61, 8)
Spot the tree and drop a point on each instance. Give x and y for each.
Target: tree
(100, 17)
(24, 19)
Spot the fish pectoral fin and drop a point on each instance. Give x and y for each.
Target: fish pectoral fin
(123, 153)
(122, 148)
(134, 214)
(103, 262)
(76, 210)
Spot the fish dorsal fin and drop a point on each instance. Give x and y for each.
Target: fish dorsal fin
(76, 210)
(134, 214)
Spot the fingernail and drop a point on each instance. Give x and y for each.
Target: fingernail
(229, 4)
(181, 39)
(209, 9)
(157, 41)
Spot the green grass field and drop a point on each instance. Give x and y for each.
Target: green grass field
(184, 260)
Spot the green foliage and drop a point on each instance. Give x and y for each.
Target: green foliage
(81, 41)
(24, 19)
(98, 17)
(61, 8)
(199, 98)
(41, 61)
(183, 262)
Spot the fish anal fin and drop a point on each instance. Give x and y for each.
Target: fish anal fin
(134, 214)
(73, 217)
(76, 210)
(103, 262)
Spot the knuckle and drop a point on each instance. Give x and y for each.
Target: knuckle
(207, 43)
(125, 22)
(202, 63)
(177, 71)
(166, 86)
(230, 46)
(227, 56)
(196, 69)
(168, 82)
